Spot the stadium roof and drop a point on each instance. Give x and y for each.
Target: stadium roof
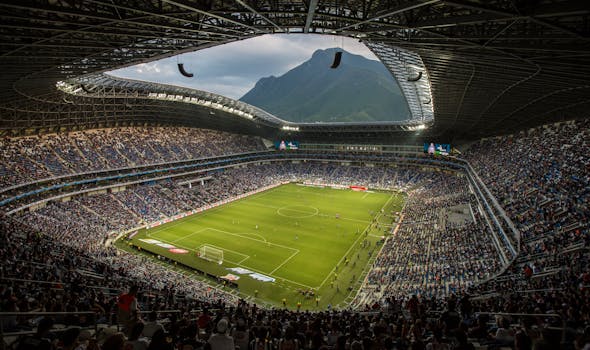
(492, 66)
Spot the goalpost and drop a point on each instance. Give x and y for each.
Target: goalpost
(210, 253)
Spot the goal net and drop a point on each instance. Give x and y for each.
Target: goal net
(210, 253)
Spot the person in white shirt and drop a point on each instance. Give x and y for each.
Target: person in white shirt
(152, 325)
(135, 342)
(220, 340)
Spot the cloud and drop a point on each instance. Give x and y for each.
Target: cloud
(232, 69)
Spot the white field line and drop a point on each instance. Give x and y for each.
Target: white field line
(245, 234)
(151, 232)
(190, 218)
(350, 248)
(253, 239)
(228, 250)
(277, 277)
(262, 272)
(240, 263)
(324, 195)
(265, 206)
(366, 194)
(284, 262)
(305, 212)
(355, 220)
(190, 235)
(241, 235)
(195, 250)
(208, 211)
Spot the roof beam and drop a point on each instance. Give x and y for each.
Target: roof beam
(463, 20)
(532, 18)
(259, 15)
(310, 13)
(186, 6)
(398, 10)
(169, 16)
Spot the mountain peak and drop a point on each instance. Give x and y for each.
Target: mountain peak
(358, 90)
(322, 52)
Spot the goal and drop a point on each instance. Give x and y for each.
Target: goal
(210, 253)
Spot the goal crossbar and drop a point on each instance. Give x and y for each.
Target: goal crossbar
(210, 253)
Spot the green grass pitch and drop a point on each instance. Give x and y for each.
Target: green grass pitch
(306, 238)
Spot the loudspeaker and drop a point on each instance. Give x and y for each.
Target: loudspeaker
(337, 59)
(183, 72)
(416, 78)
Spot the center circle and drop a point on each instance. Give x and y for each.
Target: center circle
(297, 211)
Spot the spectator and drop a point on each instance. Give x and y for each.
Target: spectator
(127, 311)
(220, 340)
(41, 340)
(160, 341)
(135, 342)
(69, 339)
(152, 325)
(114, 342)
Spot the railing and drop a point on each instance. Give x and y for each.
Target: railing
(518, 314)
(527, 291)
(125, 169)
(91, 314)
(5, 315)
(178, 171)
(30, 281)
(314, 156)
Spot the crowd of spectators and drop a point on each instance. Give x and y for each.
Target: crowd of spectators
(55, 258)
(85, 220)
(25, 159)
(430, 254)
(457, 253)
(541, 179)
(42, 274)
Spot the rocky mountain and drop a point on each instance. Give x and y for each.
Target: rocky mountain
(359, 90)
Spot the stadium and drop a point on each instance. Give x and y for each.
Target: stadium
(145, 215)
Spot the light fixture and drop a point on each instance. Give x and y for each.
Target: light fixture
(415, 127)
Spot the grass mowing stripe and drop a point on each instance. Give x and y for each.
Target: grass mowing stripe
(302, 211)
(351, 247)
(284, 262)
(297, 234)
(212, 210)
(185, 237)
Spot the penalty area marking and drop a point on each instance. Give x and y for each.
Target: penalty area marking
(254, 239)
(226, 250)
(245, 235)
(271, 274)
(284, 262)
(305, 213)
(246, 257)
(195, 250)
(189, 235)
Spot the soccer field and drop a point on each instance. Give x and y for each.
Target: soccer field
(305, 238)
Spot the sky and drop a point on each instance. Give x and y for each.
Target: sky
(232, 69)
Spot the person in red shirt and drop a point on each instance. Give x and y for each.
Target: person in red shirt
(413, 307)
(528, 271)
(127, 310)
(204, 322)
